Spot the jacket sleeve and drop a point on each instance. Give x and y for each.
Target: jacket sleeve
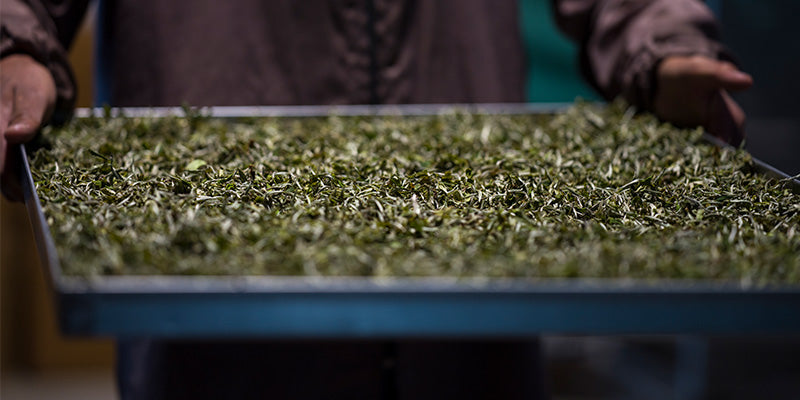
(623, 41)
(44, 31)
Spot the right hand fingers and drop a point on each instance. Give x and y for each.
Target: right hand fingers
(28, 95)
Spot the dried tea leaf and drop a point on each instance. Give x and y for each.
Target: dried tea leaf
(592, 192)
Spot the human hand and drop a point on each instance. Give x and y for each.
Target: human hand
(27, 98)
(693, 90)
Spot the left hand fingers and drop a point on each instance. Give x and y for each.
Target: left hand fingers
(717, 74)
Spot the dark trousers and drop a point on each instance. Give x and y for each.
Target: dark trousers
(408, 369)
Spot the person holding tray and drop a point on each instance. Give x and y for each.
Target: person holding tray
(663, 56)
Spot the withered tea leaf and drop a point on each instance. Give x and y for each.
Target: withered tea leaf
(592, 192)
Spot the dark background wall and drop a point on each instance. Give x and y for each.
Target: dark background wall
(764, 35)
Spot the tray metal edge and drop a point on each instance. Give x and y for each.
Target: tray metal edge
(792, 181)
(41, 230)
(375, 285)
(86, 297)
(327, 110)
(363, 315)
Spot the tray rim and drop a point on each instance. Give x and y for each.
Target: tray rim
(352, 110)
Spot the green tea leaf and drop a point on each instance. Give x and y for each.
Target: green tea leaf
(591, 192)
(195, 165)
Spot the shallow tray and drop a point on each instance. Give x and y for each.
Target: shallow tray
(314, 307)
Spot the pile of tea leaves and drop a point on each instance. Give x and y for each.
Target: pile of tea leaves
(592, 192)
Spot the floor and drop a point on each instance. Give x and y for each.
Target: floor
(61, 385)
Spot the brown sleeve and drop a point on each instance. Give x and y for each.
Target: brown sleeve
(623, 41)
(44, 30)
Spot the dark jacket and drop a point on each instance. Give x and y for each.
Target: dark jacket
(254, 52)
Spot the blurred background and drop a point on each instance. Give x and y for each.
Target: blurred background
(37, 363)
(764, 35)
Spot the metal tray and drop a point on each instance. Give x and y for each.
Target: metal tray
(314, 307)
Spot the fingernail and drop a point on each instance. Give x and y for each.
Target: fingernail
(21, 128)
(741, 76)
